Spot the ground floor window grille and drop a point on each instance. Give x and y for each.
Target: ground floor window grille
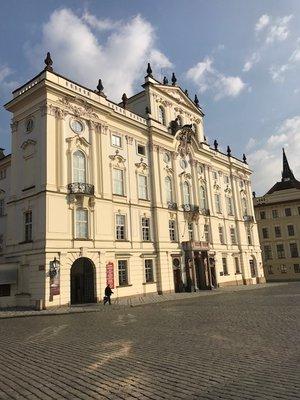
(149, 271)
(123, 272)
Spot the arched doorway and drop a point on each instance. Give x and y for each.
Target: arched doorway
(82, 281)
(252, 265)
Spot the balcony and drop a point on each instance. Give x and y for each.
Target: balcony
(248, 218)
(190, 208)
(81, 188)
(172, 205)
(205, 211)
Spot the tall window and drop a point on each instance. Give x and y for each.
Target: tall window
(218, 203)
(275, 213)
(116, 140)
(146, 229)
(206, 233)
(120, 227)
(262, 215)
(186, 193)
(28, 226)
(203, 204)
(172, 230)
(149, 271)
(296, 268)
(143, 187)
(237, 265)
(224, 264)
(118, 181)
(290, 228)
(81, 223)
(232, 236)
(221, 235)
(288, 212)
(2, 210)
(169, 189)
(265, 233)
(229, 206)
(123, 272)
(277, 231)
(268, 252)
(79, 167)
(252, 268)
(294, 250)
(280, 251)
(244, 206)
(161, 115)
(191, 230)
(249, 236)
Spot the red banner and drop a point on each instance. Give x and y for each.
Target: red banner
(110, 274)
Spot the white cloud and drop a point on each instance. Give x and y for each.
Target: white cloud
(279, 30)
(267, 160)
(119, 57)
(207, 78)
(278, 71)
(251, 143)
(7, 84)
(263, 21)
(251, 61)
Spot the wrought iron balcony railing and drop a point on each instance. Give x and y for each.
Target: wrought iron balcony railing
(190, 208)
(172, 205)
(248, 218)
(81, 188)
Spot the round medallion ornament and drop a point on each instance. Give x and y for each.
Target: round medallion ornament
(167, 158)
(76, 126)
(183, 163)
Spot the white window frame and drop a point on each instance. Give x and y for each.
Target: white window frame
(137, 149)
(116, 181)
(161, 115)
(152, 262)
(115, 135)
(146, 228)
(186, 193)
(203, 199)
(143, 190)
(28, 227)
(79, 174)
(117, 225)
(221, 235)
(127, 272)
(169, 189)
(233, 235)
(218, 203)
(172, 230)
(191, 231)
(80, 223)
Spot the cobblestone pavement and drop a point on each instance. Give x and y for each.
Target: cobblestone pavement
(236, 345)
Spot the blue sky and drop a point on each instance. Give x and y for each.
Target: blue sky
(242, 58)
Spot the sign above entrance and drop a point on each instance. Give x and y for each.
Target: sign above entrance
(191, 245)
(110, 274)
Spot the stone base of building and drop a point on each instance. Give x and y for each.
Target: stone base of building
(261, 279)
(231, 283)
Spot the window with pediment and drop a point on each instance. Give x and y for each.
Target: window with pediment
(79, 167)
(169, 189)
(203, 201)
(186, 193)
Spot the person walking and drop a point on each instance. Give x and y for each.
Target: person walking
(107, 293)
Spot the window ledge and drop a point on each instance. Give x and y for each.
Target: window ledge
(148, 283)
(28, 188)
(120, 286)
(140, 199)
(81, 239)
(26, 241)
(122, 240)
(120, 195)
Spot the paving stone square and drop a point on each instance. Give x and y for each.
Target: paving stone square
(236, 345)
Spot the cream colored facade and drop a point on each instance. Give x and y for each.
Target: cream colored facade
(278, 217)
(124, 191)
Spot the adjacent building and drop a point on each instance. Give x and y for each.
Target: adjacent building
(278, 217)
(129, 194)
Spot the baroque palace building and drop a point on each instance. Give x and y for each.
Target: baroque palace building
(129, 194)
(278, 218)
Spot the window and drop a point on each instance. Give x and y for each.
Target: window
(179, 120)
(229, 206)
(283, 269)
(1, 243)
(252, 268)
(2, 210)
(149, 272)
(145, 229)
(224, 264)
(141, 149)
(226, 179)
(4, 290)
(161, 115)
(277, 231)
(221, 234)
(297, 268)
(195, 128)
(28, 225)
(186, 193)
(280, 251)
(143, 187)
(249, 236)
(265, 233)
(294, 250)
(290, 228)
(218, 203)
(118, 182)
(120, 227)
(81, 223)
(262, 215)
(270, 270)
(275, 213)
(215, 175)
(203, 204)
(116, 140)
(206, 233)
(237, 265)
(123, 272)
(268, 252)
(299, 210)
(244, 206)
(79, 167)
(172, 230)
(288, 212)
(191, 230)
(2, 174)
(169, 189)
(232, 236)
(241, 183)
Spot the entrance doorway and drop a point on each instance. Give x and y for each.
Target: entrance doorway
(82, 281)
(252, 268)
(178, 284)
(201, 268)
